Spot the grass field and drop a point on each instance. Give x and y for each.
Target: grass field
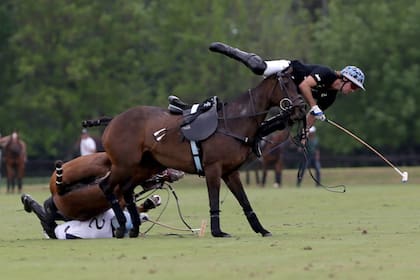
(369, 232)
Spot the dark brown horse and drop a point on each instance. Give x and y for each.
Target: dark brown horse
(135, 151)
(15, 157)
(272, 156)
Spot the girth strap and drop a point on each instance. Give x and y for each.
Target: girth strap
(243, 139)
(196, 157)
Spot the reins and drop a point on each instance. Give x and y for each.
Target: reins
(286, 104)
(300, 174)
(264, 112)
(168, 188)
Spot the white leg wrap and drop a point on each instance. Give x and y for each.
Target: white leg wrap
(274, 66)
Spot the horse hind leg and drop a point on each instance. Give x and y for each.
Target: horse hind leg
(134, 214)
(233, 182)
(107, 189)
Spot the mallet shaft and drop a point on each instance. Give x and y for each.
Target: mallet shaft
(367, 145)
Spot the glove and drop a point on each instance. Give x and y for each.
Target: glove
(144, 217)
(152, 202)
(319, 115)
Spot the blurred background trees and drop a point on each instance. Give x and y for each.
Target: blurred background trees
(65, 61)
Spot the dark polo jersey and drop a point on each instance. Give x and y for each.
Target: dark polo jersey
(324, 78)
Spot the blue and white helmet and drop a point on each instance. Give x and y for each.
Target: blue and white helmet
(355, 75)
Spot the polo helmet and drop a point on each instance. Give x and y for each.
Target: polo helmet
(355, 75)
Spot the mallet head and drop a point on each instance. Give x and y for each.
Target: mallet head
(404, 177)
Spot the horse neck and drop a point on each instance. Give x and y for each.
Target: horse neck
(251, 107)
(13, 140)
(4, 140)
(14, 145)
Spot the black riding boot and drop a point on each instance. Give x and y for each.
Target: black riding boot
(30, 205)
(251, 60)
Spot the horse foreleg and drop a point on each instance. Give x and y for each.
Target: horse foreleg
(234, 183)
(247, 180)
(257, 176)
(134, 214)
(112, 199)
(264, 177)
(10, 176)
(20, 172)
(19, 184)
(278, 172)
(213, 188)
(9, 185)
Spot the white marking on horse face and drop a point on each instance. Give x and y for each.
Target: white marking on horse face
(14, 135)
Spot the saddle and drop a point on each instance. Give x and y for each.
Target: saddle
(199, 120)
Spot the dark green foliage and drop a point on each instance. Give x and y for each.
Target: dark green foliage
(65, 61)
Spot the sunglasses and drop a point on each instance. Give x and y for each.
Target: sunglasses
(353, 86)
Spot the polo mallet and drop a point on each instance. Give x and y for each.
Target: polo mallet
(200, 231)
(404, 174)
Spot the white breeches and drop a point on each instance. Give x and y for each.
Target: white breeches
(274, 66)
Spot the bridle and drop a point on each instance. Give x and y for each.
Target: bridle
(286, 104)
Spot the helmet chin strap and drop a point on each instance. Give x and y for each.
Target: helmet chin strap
(345, 81)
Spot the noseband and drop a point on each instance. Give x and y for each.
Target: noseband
(287, 103)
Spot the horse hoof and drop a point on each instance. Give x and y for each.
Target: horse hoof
(266, 234)
(133, 233)
(220, 234)
(119, 233)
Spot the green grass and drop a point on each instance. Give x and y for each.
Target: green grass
(369, 232)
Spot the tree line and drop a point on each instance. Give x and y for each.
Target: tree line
(63, 61)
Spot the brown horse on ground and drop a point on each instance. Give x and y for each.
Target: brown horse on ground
(144, 139)
(15, 157)
(272, 155)
(75, 192)
(74, 186)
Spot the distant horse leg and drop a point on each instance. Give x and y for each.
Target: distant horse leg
(257, 176)
(213, 188)
(9, 185)
(247, 180)
(113, 200)
(10, 179)
(264, 177)
(233, 181)
(277, 178)
(19, 173)
(19, 184)
(278, 172)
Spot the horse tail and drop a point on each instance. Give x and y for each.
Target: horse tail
(98, 122)
(59, 176)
